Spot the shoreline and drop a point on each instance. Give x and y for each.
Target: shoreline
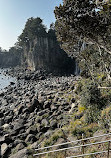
(39, 99)
(5, 79)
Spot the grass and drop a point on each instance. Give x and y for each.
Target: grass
(53, 139)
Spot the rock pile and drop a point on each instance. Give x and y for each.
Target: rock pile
(33, 107)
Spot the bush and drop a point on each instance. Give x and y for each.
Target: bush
(106, 118)
(92, 114)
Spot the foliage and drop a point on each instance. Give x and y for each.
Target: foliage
(106, 118)
(92, 114)
(79, 21)
(15, 50)
(84, 30)
(81, 108)
(82, 128)
(33, 28)
(51, 32)
(53, 139)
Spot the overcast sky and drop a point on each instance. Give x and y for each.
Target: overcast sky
(14, 14)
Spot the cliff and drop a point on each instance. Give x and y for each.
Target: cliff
(45, 53)
(8, 59)
(41, 49)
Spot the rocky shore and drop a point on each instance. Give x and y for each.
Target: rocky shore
(32, 109)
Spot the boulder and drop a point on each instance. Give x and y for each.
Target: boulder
(45, 122)
(17, 141)
(44, 129)
(31, 130)
(6, 126)
(12, 83)
(1, 122)
(34, 104)
(20, 154)
(46, 104)
(1, 114)
(18, 126)
(5, 139)
(4, 149)
(8, 119)
(31, 138)
(34, 145)
(20, 146)
(53, 124)
(53, 107)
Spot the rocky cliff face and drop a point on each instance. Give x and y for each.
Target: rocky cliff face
(45, 53)
(9, 59)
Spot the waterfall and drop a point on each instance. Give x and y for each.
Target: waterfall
(77, 69)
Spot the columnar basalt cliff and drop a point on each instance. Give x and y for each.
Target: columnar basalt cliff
(45, 53)
(41, 49)
(38, 49)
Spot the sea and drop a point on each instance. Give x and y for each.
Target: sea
(5, 79)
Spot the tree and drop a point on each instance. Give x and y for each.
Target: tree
(33, 28)
(84, 20)
(83, 26)
(51, 32)
(15, 50)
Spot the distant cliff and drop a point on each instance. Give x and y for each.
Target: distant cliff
(10, 59)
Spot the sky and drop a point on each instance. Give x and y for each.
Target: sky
(14, 14)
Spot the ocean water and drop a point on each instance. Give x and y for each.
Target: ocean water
(5, 79)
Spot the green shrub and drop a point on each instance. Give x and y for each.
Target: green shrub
(92, 114)
(106, 118)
